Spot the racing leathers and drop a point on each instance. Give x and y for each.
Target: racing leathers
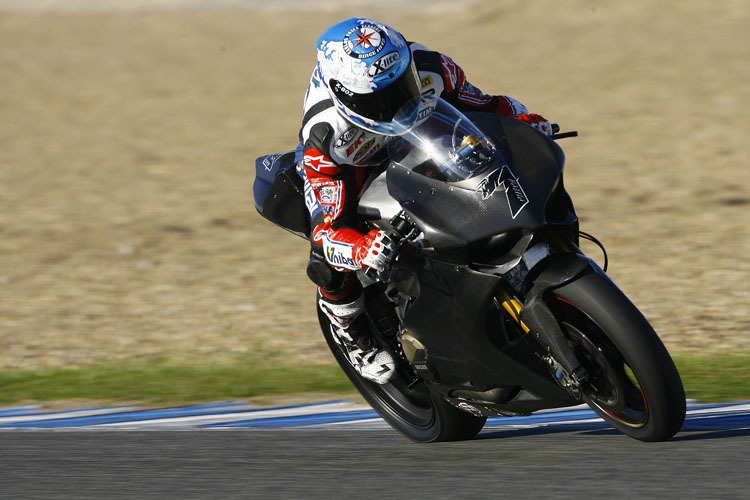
(337, 160)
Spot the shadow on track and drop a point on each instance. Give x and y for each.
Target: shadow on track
(695, 428)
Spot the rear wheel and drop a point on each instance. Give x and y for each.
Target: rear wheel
(633, 383)
(414, 411)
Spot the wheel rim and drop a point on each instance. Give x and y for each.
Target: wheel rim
(612, 386)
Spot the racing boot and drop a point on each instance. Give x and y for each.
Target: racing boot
(350, 331)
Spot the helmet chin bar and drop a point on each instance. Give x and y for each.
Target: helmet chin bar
(379, 105)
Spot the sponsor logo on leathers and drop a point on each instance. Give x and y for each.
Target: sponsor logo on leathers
(351, 149)
(347, 137)
(338, 254)
(329, 194)
(311, 202)
(364, 150)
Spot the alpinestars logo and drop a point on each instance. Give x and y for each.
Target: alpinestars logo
(505, 179)
(317, 163)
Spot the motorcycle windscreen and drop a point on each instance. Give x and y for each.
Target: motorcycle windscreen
(509, 191)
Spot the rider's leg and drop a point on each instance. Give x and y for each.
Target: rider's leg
(341, 298)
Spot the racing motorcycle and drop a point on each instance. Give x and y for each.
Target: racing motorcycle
(488, 305)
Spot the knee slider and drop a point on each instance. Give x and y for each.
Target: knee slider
(322, 274)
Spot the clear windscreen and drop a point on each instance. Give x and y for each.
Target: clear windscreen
(442, 143)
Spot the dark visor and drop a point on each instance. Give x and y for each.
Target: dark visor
(381, 105)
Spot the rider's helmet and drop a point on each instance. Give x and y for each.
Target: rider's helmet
(368, 70)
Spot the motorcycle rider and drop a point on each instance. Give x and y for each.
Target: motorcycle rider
(366, 73)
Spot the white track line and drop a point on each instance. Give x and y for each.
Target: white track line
(39, 417)
(249, 414)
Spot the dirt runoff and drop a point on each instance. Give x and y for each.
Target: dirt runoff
(128, 140)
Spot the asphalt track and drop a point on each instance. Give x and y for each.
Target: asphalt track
(337, 450)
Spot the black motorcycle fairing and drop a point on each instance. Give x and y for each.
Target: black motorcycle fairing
(458, 348)
(454, 214)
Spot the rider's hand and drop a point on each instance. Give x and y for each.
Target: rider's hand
(373, 250)
(537, 121)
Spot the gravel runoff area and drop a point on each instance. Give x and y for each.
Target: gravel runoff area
(130, 129)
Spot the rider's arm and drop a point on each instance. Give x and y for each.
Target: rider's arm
(457, 90)
(335, 189)
(467, 97)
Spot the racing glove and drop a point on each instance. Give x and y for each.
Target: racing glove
(373, 250)
(537, 121)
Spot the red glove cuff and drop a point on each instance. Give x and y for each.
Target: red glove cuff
(537, 121)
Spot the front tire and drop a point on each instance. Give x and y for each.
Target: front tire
(414, 411)
(634, 384)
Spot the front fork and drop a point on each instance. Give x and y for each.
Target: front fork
(546, 265)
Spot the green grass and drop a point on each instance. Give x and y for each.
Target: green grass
(160, 382)
(713, 378)
(706, 378)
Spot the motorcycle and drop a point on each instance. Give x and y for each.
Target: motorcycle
(488, 304)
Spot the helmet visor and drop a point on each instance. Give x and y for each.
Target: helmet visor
(381, 105)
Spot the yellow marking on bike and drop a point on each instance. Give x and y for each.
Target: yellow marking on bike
(469, 139)
(514, 309)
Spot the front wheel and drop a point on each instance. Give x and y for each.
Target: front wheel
(411, 409)
(633, 383)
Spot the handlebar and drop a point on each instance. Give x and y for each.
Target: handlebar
(563, 135)
(556, 134)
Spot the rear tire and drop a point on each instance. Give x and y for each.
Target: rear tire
(634, 384)
(415, 412)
